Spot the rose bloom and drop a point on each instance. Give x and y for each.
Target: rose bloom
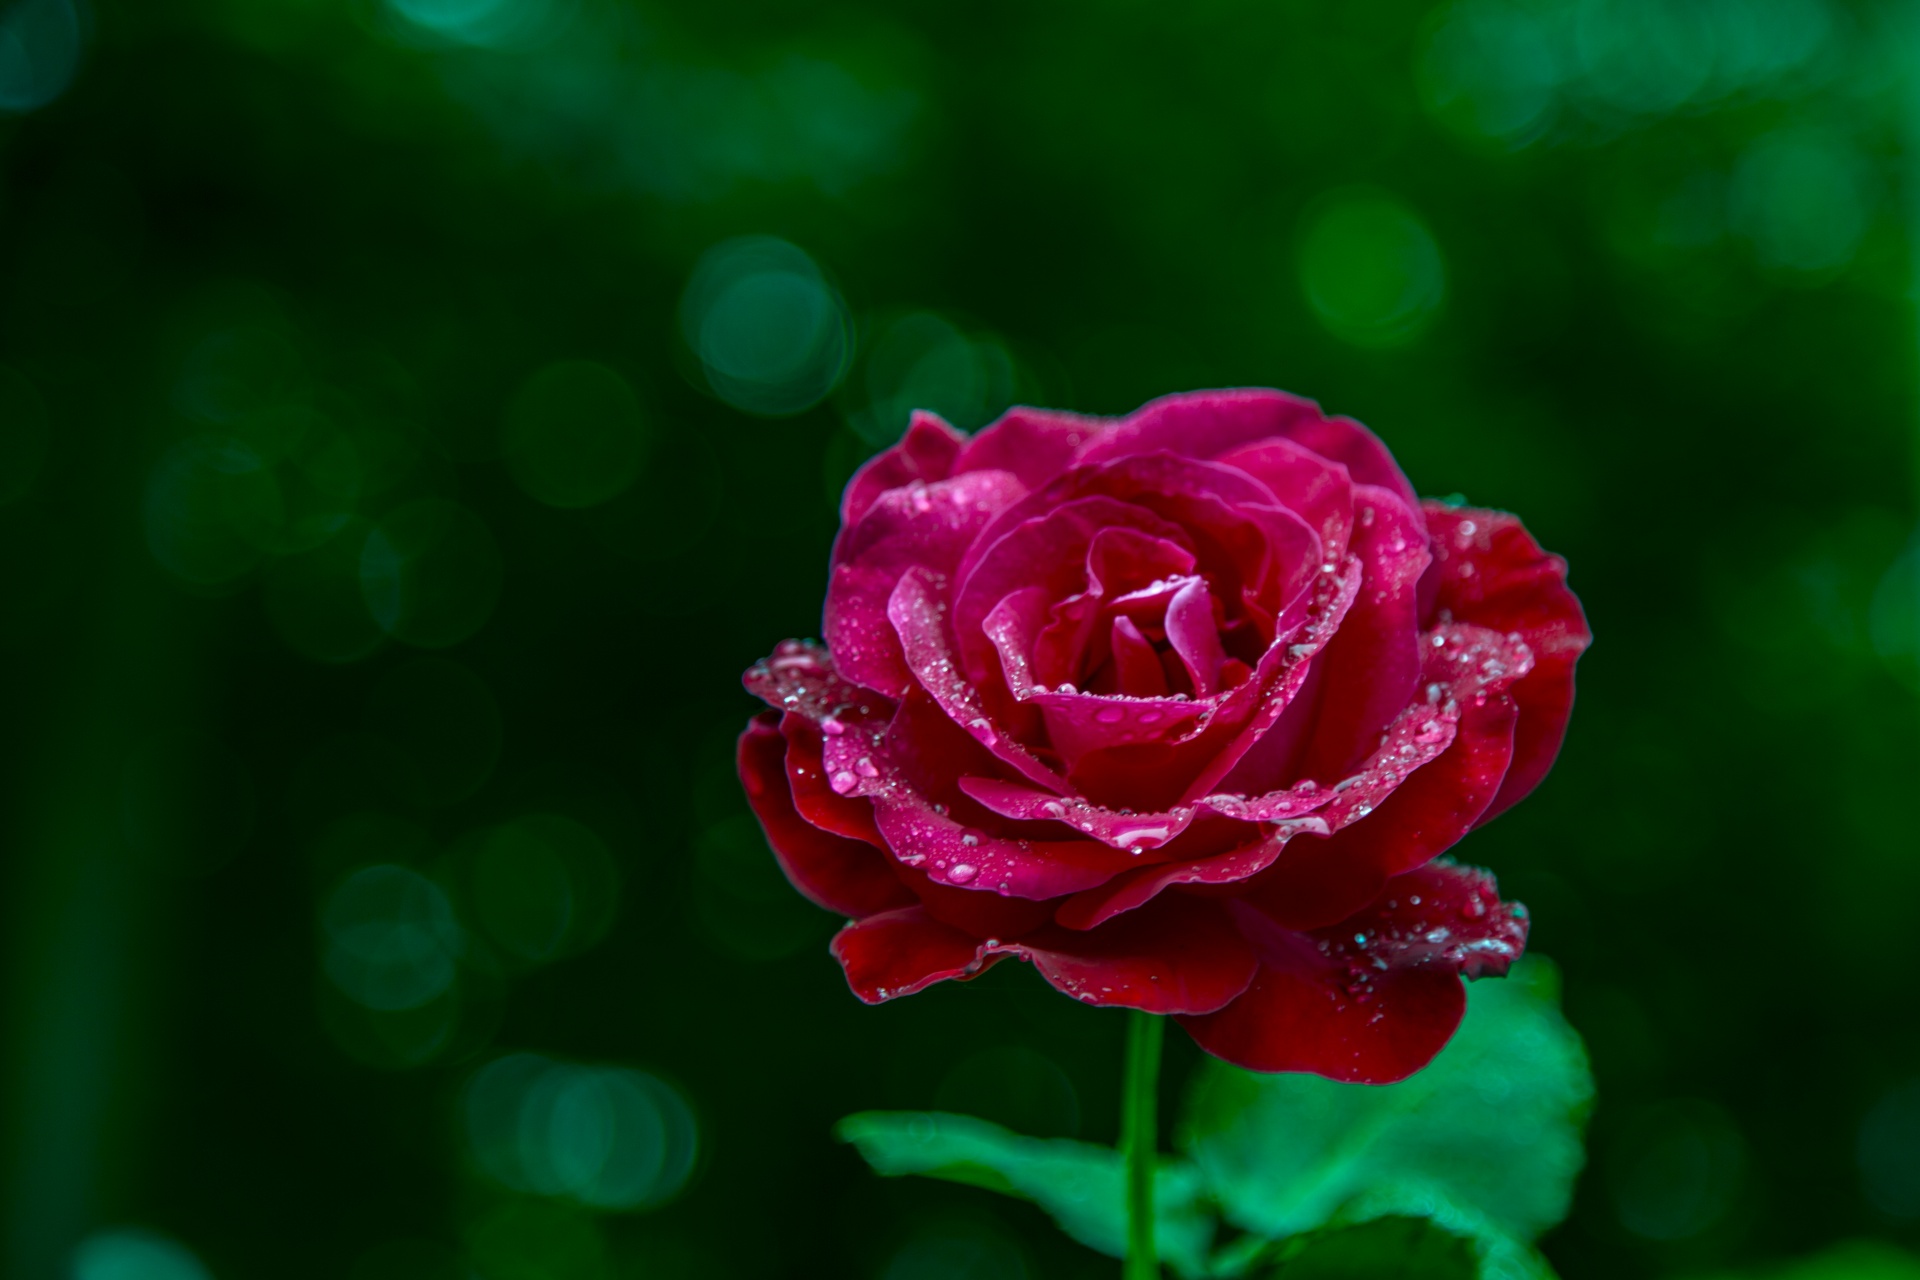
(1179, 707)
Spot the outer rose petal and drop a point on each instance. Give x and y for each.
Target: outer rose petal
(1371, 999)
(1206, 424)
(843, 875)
(1182, 955)
(925, 453)
(1185, 958)
(904, 951)
(1202, 424)
(1488, 570)
(1290, 1021)
(927, 526)
(1034, 444)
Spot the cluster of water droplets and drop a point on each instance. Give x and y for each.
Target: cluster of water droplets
(1457, 922)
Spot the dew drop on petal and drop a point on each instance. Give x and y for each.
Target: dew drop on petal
(962, 872)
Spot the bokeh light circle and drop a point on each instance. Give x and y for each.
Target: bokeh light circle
(542, 886)
(391, 938)
(40, 44)
(489, 24)
(315, 602)
(194, 494)
(770, 330)
(574, 435)
(130, 1253)
(1888, 1150)
(1370, 268)
(923, 361)
(608, 1137)
(1675, 1169)
(431, 573)
(1802, 197)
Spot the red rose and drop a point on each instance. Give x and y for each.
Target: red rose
(1181, 707)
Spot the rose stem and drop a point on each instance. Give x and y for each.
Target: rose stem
(1140, 1138)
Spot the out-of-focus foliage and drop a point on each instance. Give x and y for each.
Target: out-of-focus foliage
(1081, 1185)
(1482, 1146)
(415, 414)
(1856, 1260)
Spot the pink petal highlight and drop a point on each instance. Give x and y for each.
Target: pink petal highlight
(1195, 636)
(926, 453)
(928, 526)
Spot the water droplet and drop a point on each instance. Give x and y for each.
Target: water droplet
(971, 841)
(832, 728)
(864, 767)
(962, 872)
(843, 781)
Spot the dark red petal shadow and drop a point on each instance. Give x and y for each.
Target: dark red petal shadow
(841, 874)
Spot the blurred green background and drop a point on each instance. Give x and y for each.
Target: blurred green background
(416, 413)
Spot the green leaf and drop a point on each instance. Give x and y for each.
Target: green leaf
(1383, 1249)
(1492, 1251)
(1078, 1183)
(1487, 1138)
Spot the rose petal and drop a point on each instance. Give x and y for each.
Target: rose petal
(1304, 1021)
(1488, 570)
(927, 453)
(1202, 424)
(1048, 550)
(1235, 515)
(1192, 631)
(1185, 958)
(1158, 775)
(1080, 724)
(801, 676)
(1128, 832)
(919, 619)
(814, 800)
(1181, 956)
(1207, 424)
(1034, 444)
(1303, 634)
(1372, 663)
(1373, 998)
(1125, 894)
(1012, 627)
(848, 876)
(1419, 736)
(929, 526)
(1469, 713)
(1318, 489)
(900, 952)
(1137, 669)
(929, 834)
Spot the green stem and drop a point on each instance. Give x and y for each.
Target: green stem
(1140, 1139)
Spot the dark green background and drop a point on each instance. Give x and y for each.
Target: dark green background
(1686, 359)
